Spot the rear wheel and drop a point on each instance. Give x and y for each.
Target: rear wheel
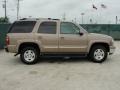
(29, 55)
(98, 54)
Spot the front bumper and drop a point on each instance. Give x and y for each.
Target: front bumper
(112, 50)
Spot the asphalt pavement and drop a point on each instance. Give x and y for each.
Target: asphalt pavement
(60, 74)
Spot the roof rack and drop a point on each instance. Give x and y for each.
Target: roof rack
(23, 19)
(29, 18)
(38, 19)
(53, 19)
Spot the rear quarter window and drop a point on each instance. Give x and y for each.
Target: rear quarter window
(22, 27)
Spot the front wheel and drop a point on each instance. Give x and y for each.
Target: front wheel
(29, 55)
(98, 54)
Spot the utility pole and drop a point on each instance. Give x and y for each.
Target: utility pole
(18, 8)
(4, 6)
(18, 4)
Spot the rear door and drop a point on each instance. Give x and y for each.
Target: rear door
(48, 37)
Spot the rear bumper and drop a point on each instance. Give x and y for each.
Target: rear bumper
(112, 50)
(6, 49)
(10, 48)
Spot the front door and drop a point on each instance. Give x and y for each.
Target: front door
(70, 40)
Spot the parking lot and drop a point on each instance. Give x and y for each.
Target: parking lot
(60, 74)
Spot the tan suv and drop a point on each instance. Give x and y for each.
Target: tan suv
(34, 37)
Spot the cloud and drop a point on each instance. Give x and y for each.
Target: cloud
(72, 8)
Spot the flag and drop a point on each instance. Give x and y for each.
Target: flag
(103, 6)
(94, 7)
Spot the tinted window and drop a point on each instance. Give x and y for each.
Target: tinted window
(47, 28)
(69, 28)
(22, 27)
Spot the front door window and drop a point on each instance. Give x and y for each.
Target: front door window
(69, 28)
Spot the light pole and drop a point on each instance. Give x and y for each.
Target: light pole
(116, 19)
(64, 16)
(91, 21)
(75, 20)
(82, 14)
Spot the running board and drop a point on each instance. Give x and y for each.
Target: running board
(16, 54)
(64, 55)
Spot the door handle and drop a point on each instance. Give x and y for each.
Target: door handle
(62, 37)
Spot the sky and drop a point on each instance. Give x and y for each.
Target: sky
(71, 8)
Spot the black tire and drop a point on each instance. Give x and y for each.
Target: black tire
(34, 51)
(91, 55)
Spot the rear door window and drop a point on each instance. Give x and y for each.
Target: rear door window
(48, 28)
(22, 27)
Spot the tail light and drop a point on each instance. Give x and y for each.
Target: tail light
(7, 40)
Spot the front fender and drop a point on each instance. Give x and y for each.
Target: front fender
(92, 42)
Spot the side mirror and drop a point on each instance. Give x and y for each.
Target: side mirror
(81, 34)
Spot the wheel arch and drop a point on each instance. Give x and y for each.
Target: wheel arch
(28, 44)
(106, 45)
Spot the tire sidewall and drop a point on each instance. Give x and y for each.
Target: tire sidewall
(91, 55)
(22, 55)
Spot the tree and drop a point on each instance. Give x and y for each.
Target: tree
(4, 20)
